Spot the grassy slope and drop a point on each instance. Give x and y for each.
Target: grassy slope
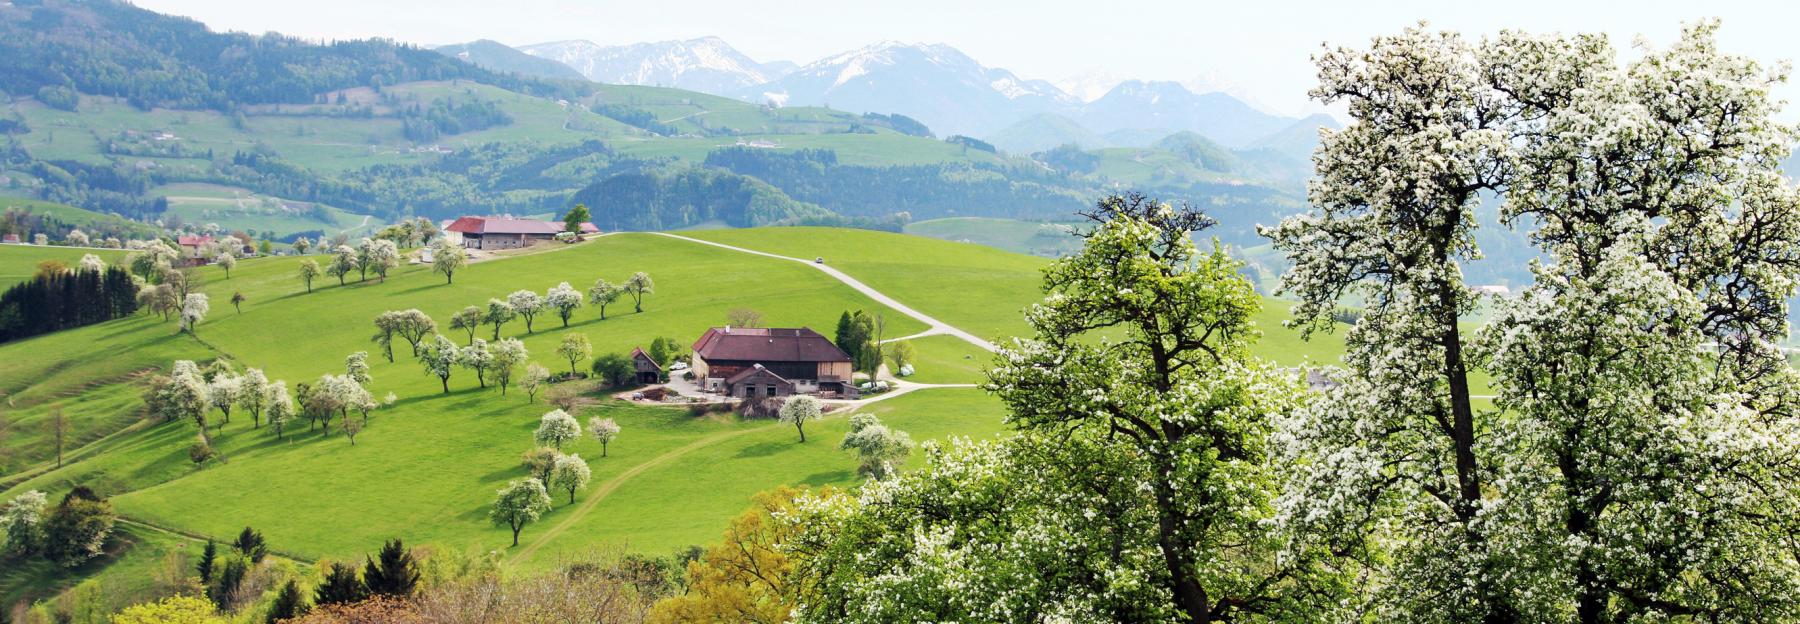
(979, 289)
(76, 216)
(19, 262)
(1035, 238)
(427, 467)
(235, 208)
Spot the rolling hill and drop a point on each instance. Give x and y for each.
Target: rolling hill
(499, 57)
(427, 465)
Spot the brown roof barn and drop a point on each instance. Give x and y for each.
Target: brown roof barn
(757, 361)
(508, 232)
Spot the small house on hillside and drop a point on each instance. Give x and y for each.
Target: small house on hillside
(648, 370)
(193, 247)
(763, 362)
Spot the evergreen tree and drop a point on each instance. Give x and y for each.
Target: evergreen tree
(393, 572)
(250, 544)
(205, 567)
(287, 604)
(340, 587)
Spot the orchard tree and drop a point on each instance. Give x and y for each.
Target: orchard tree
(569, 474)
(604, 293)
(876, 446)
(526, 304)
(22, 523)
(237, 302)
(479, 358)
(799, 410)
(439, 357)
(356, 367)
(253, 394)
(604, 430)
(91, 263)
(539, 461)
(301, 244)
(575, 348)
(448, 258)
(343, 260)
(309, 269)
(1640, 411)
(383, 256)
(637, 286)
(413, 325)
(498, 313)
(227, 261)
(152, 260)
(564, 299)
(193, 310)
(222, 393)
(468, 320)
(533, 381)
(520, 503)
(280, 407)
(386, 324)
(556, 428)
(508, 354)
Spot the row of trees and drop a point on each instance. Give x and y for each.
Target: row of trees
(62, 299)
(524, 501)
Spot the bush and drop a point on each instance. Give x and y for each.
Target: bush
(766, 407)
(702, 409)
(199, 452)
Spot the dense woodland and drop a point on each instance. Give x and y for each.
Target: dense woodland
(59, 298)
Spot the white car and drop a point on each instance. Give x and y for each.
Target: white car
(678, 366)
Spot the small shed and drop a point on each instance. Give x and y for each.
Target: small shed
(648, 371)
(757, 381)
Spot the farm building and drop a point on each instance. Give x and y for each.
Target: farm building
(505, 232)
(761, 362)
(648, 370)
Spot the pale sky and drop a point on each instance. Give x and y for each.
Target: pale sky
(1259, 48)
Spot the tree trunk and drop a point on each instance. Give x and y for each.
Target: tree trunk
(1188, 593)
(446, 381)
(516, 536)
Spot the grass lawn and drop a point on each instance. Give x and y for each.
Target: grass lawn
(19, 262)
(979, 289)
(125, 574)
(1034, 238)
(234, 208)
(945, 359)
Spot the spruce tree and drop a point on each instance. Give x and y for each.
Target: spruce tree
(340, 587)
(392, 572)
(287, 604)
(205, 567)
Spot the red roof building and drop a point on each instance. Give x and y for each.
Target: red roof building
(739, 360)
(503, 232)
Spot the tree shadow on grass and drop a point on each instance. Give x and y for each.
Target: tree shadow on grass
(828, 478)
(763, 449)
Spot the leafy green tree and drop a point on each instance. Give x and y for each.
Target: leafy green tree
(392, 572)
(171, 610)
(575, 217)
(520, 503)
(498, 313)
(539, 462)
(469, 320)
(616, 370)
(536, 376)
(343, 260)
(22, 523)
(226, 261)
(575, 348)
(507, 355)
(77, 529)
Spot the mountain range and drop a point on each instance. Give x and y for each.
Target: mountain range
(937, 84)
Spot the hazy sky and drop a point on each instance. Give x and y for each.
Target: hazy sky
(1261, 48)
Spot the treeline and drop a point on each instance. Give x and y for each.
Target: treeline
(651, 199)
(448, 117)
(108, 47)
(923, 191)
(62, 299)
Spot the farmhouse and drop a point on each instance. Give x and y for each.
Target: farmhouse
(193, 246)
(505, 232)
(764, 362)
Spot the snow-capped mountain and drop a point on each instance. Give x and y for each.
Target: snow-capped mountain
(707, 64)
(1139, 104)
(936, 84)
(1090, 84)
